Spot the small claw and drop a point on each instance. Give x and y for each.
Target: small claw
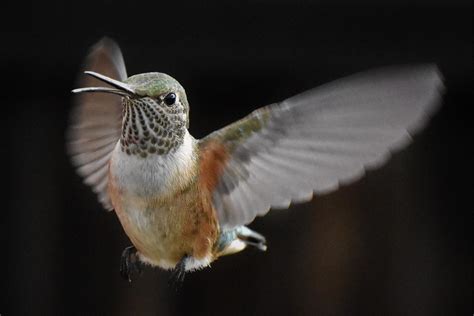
(178, 273)
(129, 263)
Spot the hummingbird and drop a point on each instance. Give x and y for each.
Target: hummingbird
(184, 202)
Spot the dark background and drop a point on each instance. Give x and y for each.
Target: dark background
(397, 242)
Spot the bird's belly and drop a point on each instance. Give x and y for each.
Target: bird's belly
(166, 230)
(161, 207)
(154, 231)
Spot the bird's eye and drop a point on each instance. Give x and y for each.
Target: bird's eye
(170, 98)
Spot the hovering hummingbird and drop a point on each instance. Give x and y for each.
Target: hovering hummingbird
(184, 202)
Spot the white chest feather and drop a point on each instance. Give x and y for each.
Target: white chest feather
(154, 175)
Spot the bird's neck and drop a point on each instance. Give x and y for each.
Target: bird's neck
(155, 175)
(145, 134)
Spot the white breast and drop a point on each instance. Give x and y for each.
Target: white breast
(155, 174)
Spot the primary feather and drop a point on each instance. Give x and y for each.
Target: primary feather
(96, 120)
(320, 139)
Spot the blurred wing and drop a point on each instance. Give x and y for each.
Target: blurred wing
(315, 141)
(96, 119)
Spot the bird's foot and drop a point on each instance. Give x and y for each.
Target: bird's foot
(178, 273)
(129, 263)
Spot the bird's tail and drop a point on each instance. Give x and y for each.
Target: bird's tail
(238, 239)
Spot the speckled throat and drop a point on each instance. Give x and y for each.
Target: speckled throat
(148, 129)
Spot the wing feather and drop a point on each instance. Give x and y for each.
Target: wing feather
(320, 139)
(96, 119)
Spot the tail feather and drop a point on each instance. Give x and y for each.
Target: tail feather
(238, 239)
(252, 238)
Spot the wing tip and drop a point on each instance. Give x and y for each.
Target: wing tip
(104, 43)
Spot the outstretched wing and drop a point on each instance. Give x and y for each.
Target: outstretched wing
(315, 141)
(96, 119)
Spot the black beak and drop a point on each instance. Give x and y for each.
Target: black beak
(121, 88)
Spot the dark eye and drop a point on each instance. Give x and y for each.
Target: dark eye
(170, 98)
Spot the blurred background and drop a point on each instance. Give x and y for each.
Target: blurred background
(397, 242)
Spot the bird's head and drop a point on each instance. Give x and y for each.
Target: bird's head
(155, 111)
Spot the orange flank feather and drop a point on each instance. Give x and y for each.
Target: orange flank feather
(213, 159)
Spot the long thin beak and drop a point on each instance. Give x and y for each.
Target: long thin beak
(101, 89)
(122, 88)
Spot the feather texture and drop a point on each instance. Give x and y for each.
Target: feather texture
(320, 139)
(96, 119)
